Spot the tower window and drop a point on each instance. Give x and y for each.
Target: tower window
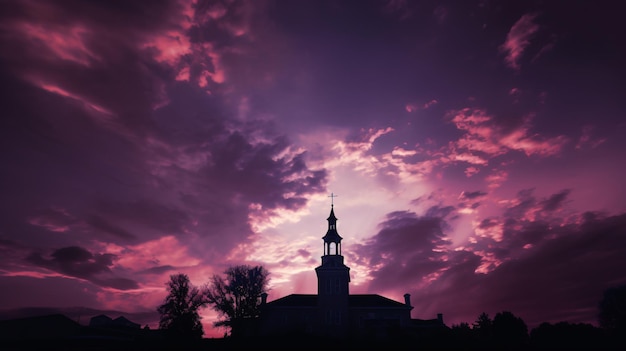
(333, 249)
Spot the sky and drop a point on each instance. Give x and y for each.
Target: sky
(475, 147)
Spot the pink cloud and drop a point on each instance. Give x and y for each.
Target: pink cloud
(183, 74)
(468, 158)
(470, 171)
(356, 152)
(491, 228)
(66, 43)
(484, 136)
(54, 219)
(587, 140)
(495, 179)
(412, 107)
(33, 274)
(401, 152)
(532, 145)
(518, 39)
(166, 250)
(83, 100)
(170, 46)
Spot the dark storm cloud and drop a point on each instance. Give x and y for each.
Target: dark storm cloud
(439, 212)
(78, 262)
(543, 272)
(87, 49)
(407, 248)
(103, 141)
(555, 201)
(75, 90)
(101, 223)
(123, 147)
(18, 291)
(530, 220)
(558, 279)
(304, 253)
(487, 223)
(471, 195)
(158, 270)
(256, 173)
(147, 212)
(524, 202)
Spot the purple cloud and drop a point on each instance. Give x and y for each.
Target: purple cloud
(75, 261)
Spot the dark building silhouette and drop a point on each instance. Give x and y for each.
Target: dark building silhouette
(104, 321)
(334, 312)
(101, 320)
(46, 327)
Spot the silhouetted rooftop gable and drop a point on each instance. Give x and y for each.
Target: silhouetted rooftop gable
(100, 320)
(122, 321)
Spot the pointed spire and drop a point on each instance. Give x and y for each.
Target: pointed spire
(332, 217)
(332, 209)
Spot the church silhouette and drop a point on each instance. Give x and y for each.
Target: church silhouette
(334, 312)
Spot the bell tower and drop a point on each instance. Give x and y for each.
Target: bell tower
(333, 277)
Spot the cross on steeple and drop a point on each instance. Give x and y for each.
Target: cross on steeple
(332, 197)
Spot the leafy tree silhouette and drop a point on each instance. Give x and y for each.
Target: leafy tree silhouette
(179, 313)
(462, 333)
(237, 297)
(483, 327)
(509, 330)
(564, 335)
(612, 315)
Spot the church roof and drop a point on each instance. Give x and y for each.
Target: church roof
(295, 300)
(332, 217)
(359, 300)
(373, 300)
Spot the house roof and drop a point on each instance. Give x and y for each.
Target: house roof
(123, 321)
(359, 300)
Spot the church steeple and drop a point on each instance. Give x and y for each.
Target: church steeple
(333, 278)
(332, 239)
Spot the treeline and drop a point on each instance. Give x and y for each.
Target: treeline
(236, 297)
(507, 331)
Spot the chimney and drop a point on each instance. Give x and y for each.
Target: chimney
(440, 317)
(263, 298)
(407, 299)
